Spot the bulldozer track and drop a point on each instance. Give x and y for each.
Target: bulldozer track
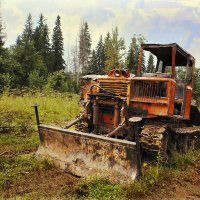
(164, 139)
(82, 127)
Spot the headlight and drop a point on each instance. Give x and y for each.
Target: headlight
(117, 73)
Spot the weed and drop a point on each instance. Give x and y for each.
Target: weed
(95, 187)
(181, 160)
(13, 169)
(19, 143)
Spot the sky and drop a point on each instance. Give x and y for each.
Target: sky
(159, 21)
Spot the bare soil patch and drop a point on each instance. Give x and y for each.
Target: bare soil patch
(186, 186)
(41, 184)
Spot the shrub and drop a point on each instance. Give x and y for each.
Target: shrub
(57, 81)
(5, 81)
(61, 82)
(36, 81)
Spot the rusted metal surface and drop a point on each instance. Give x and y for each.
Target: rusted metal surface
(152, 137)
(86, 83)
(35, 106)
(134, 124)
(117, 130)
(154, 95)
(85, 154)
(174, 51)
(171, 55)
(188, 99)
(187, 130)
(119, 73)
(74, 122)
(118, 87)
(116, 115)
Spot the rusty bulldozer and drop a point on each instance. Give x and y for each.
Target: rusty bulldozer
(127, 117)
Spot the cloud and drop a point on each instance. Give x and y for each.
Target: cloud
(99, 16)
(159, 21)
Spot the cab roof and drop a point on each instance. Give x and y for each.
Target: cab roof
(164, 52)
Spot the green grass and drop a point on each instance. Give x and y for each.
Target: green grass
(17, 162)
(14, 168)
(182, 160)
(17, 144)
(55, 108)
(97, 188)
(155, 179)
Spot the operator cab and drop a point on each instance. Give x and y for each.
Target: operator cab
(172, 62)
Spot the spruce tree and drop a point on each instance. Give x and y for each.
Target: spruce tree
(57, 47)
(114, 51)
(100, 56)
(84, 48)
(39, 34)
(27, 57)
(93, 65)
(133, 54)
(18, 40)
(2, 42)
(131, 61)
(2, 35)
(107, 46)
(150, 64)
(27, 35)
(41, 40)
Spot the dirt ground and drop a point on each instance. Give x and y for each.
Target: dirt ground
(37, 185)
(186, 187)
(55, 184)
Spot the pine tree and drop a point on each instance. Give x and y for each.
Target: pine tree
(27, 35)
(114, 51)
(93, 65)
(107, 45)
(150, 64)
(84, 48)
(2, 49)
(57, 47)
(41, 40)
(100, 56)
(27, 57)
(2, 35)
(131, 61)
(133, 54)
(18, 40)
(27, 61)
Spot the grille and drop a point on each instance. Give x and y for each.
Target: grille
(119, 88)
(149, 89)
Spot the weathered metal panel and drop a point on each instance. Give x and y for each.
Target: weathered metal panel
(85, 154)
(119, 87)
(153, 96)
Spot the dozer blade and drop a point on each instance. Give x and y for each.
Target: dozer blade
(86, 154)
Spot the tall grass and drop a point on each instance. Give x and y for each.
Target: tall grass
(54, 108)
